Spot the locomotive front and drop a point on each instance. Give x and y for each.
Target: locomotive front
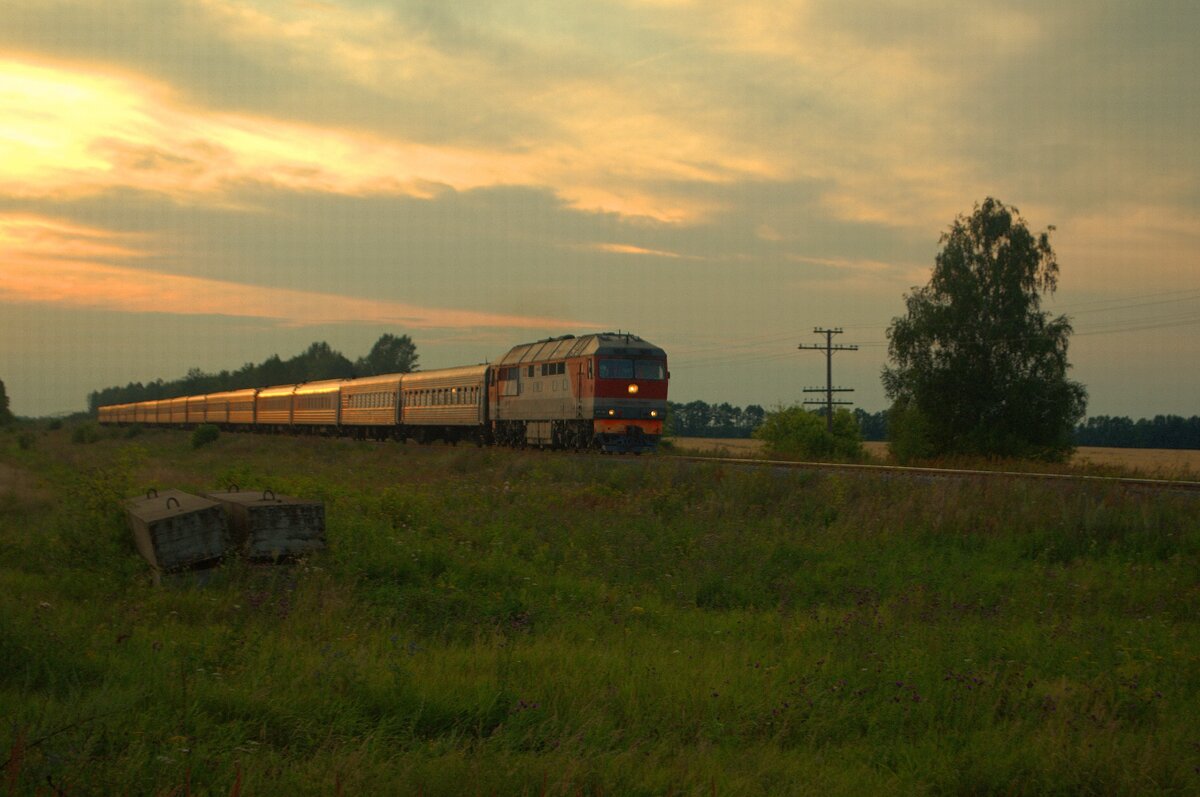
(605, 391)
(629, 401)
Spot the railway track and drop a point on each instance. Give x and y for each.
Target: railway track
(1155, 485)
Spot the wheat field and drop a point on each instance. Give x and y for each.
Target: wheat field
(1148, 461)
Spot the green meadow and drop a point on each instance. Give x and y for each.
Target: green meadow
(502, 622)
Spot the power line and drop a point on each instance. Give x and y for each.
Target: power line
(749, 349)
(829, 348)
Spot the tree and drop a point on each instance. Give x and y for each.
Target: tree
(752, 418)
(795, 431)
(389, 355)
(320, 361)
(977, 366)
(6, 416)
(873, 425)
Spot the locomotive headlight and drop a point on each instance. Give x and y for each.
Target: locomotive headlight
(612, 412)
(653, 413)
(632, 389)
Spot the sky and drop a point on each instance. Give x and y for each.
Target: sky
(204, 183)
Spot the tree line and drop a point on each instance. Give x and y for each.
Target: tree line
(701, 419)
(1161, 431)
(391, 354)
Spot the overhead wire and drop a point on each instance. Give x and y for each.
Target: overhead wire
(749, 349)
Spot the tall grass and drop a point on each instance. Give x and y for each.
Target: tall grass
(488, 621)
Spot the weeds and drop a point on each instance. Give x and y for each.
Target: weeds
(509, 622)
(85, 433)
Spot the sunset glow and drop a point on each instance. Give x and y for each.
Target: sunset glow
(707, 174)
(53, 263)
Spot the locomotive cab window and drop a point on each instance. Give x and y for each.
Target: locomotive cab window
(650, 369)
(616, 369)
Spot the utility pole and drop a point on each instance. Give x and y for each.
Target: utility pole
(829, 348)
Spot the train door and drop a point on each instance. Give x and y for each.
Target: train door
(510, 382)
(579, 389)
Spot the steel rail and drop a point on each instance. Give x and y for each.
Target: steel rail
(1076, 478)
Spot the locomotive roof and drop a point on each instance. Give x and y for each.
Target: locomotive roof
(570, 346)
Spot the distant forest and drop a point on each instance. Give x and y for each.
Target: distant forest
(699, 419)
(398, 354)
(390, 354)
(1162, 431)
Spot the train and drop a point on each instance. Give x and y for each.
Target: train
(604, 391)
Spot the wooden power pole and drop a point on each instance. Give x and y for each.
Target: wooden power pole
(829, 348)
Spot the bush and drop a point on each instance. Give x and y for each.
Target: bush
(910, 434)
(85, 433)
(25, 440)
(794, 431)
(54, 425)
(204, 434)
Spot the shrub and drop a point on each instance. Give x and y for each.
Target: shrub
(54, 425)
(85, 433)
(910, 434)
(25, 440)
(204, 434)
(794, 431)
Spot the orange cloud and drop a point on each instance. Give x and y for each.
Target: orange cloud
(70, 133)
(852, 264)
(629, 249)
(46, 261)
(67, 133)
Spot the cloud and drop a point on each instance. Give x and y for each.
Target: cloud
(72, 133)
(51, 262)
(629, 249)
(850, 264)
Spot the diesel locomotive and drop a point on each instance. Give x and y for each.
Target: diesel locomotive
(605, 391)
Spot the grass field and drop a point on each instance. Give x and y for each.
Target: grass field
(497, 622)
(1167, 463)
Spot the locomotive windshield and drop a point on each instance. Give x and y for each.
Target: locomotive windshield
(649, 369)
(630, 369)
(616, 369)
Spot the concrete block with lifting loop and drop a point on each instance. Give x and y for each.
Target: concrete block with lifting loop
(177, 532)
(266, 526)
